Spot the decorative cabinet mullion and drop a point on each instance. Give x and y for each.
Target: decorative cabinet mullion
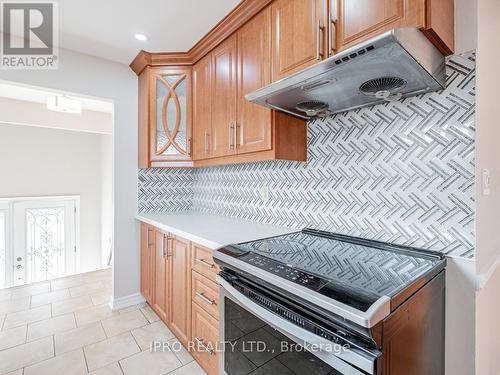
(170, 115)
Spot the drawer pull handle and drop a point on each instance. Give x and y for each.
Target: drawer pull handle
(205, 263)
(207, 300)
(202, 344)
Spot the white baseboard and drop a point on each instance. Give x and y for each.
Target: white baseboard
(123, 302)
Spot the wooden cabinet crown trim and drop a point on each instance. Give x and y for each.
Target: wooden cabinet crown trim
(243, 12)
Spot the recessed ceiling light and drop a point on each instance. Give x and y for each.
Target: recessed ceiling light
(141, 37)
(64, 104)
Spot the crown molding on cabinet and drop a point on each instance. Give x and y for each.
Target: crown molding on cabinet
(245, 10)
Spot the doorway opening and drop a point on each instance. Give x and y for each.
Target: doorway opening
(56, 199)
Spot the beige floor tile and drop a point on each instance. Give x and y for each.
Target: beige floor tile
(46, 298)
(13, 305)
(131, 308)
(71, 305)
(72, 363)
(31, 290)
(5, 294)
(86, 289)
(100, 298)
(66, 282)
(12, 337)
(124, 322)
(79, 337)
(51, 326)
(27, 316)
(113, 369)
(101, 275)
(151, 363)
(181, 352)
(150, 314)
(93, 314)
(157, 331)
(192, 368)
(25, 355)
(17, 372)
(111, 350)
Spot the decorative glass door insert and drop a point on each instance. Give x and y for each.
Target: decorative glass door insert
(44, 240)
(171, 114)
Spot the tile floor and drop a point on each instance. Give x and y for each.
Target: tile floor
(66, 327)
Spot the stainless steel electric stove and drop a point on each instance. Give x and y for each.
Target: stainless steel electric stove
(324, 303)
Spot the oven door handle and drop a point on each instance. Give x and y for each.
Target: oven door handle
(340, 361)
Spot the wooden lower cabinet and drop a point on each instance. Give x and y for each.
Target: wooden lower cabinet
(203, 263)
(205, 293)
(147, 253)
(160, 275)
(206, 339)
(178, 282)
(179, 285)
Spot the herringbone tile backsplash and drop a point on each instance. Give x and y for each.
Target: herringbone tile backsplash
(400, 172)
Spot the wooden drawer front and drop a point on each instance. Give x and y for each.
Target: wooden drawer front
(205, 330)
(203, 263)
(206, 294)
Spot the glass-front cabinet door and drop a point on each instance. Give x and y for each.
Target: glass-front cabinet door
(170, 120)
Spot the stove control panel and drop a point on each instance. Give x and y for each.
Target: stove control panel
(284, 271)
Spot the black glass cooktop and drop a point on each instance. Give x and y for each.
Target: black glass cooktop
(348, 269)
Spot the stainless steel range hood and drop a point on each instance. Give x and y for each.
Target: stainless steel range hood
(399, 63)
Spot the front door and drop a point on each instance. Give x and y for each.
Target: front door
(44, 239)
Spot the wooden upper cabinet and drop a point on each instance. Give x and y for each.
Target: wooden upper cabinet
(357, 20)
(297, 35)
(179, 287)
(170, 114)
(223, 133)
(202, 107)
(165, 110)
(254, 71)
(361, 18)
(160, 275)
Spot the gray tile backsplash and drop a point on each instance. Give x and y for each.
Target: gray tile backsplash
(401, 172)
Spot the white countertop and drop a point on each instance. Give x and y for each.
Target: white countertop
(211, 231)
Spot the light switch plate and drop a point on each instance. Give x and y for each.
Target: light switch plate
(264, 193)
(486, 181)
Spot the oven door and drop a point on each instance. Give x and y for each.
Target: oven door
(256, 339)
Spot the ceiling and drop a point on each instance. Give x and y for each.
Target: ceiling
(39, 95)
(106, 28)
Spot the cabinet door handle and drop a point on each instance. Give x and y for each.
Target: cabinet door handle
(205, 348)
(163, 246)
(236, 128)
(204, 298)
(189, 146)
(332, 27)
(206, 140)
(148, 238)
(231, 135)
(170, 246)
(205, 263)
(319, 52)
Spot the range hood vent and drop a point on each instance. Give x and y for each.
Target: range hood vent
(399, 63)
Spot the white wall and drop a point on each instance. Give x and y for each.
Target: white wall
(488, 206)
(106, 198)
(465, 25)
(83, 74)
(22, 112)
(47, 162)
(460, 316)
